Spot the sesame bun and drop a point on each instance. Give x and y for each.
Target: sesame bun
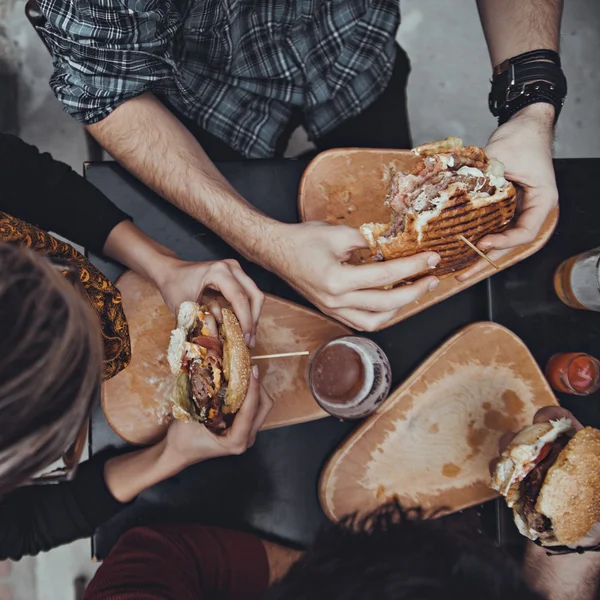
(236, 362)
(570, 496)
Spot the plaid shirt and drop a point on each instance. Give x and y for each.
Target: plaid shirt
(238, 68)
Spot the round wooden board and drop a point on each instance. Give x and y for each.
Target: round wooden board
(136, 403)
(348, 186)
(430, 443)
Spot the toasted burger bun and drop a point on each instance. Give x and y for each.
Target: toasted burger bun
(473, 200)
(236, 362)
(568, 495)
(229, 394)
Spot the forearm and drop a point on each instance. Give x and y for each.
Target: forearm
(153, 145)
(128, 475)
(562, 577)
(133, 248)
(512, 27)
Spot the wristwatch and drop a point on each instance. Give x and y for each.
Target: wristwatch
(526, 79)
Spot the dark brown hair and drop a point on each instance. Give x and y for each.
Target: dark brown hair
(50, 363)
(394, 555)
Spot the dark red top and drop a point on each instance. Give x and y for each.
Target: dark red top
(182, 562)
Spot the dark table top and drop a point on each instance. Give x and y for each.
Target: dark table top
(272, 489)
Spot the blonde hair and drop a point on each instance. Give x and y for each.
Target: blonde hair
(50, 363)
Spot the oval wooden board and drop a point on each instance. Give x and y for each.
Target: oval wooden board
(135, 402)
(348, 186)
(430, 443)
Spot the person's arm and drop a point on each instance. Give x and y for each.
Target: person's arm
(524, 143)
(151, 143)
(187, 562)
(512, 27)
(562, 577)
(180, 280)
(105, 81)
(48, 193)
(37, 518)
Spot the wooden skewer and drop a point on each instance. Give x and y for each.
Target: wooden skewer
(473, 247)
(282, 355)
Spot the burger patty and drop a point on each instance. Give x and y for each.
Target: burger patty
(530, 487)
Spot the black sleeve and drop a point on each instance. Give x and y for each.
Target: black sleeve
(37, 518)
(45, 192)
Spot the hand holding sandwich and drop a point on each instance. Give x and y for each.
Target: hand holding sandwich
(314, 260)
(524, 146)
(180, 280)
(188, 443)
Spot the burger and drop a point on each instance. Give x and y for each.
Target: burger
(550, 477)
(452, 190)
(208, 354)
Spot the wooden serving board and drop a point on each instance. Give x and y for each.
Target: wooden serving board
(348, 186)
(430, 443)
(135, 402)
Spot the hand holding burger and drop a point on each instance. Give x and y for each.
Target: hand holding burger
(188, 442)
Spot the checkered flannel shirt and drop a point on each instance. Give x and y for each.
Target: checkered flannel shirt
(238, 68)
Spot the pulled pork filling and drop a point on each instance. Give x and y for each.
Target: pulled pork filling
(530, 487)
(417, 191)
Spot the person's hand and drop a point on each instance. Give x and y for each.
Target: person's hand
(189, 443)
(312, 257)
(524, 146)
(180, 280)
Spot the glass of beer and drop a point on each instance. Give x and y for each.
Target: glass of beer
(577, 281)
(350, 377)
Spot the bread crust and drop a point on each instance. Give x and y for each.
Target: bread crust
(452, 191)
(236, 362)
(461, 215)
(570, 495)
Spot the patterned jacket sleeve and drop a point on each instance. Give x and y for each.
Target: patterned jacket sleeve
(106, 52)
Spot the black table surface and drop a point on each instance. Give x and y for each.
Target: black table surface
(272, 489)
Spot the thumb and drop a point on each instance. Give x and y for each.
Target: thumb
(348, 239)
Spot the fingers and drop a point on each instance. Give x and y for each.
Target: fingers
(552, 413)
(516, 236)
(481, 265)
(244, 420)
(264, 408)
(538, 203)
(257, 298)
(362, 320)
(388, 300)
(346, 239)
(505, 440)
(221, 277)
(390, 272)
